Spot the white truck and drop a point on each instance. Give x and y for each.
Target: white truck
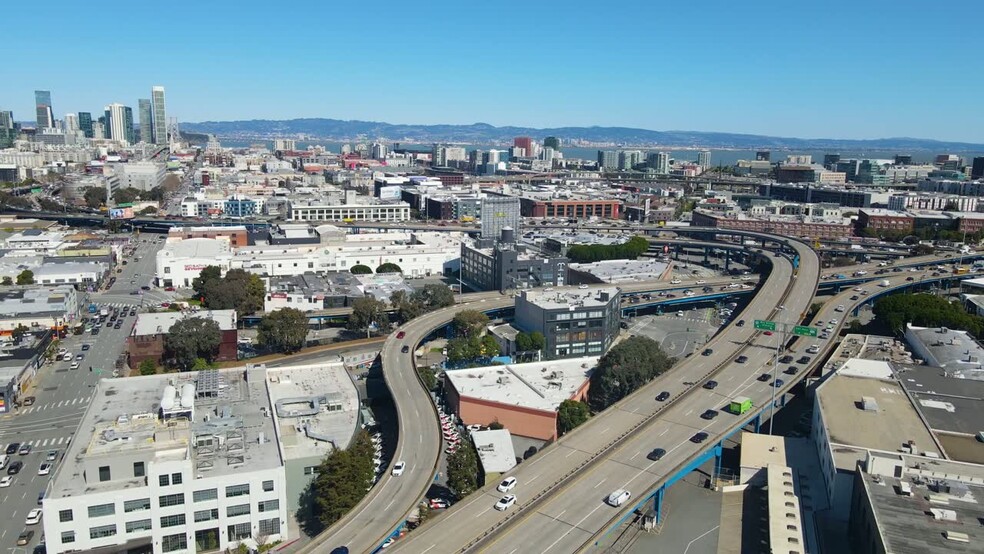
(884, 283)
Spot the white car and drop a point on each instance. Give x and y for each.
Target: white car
(44, 469)
(6, 481)
(68, 357)
(75, 365)
(701, 281)
(398, 468)
(618, 497)
(507, 484)
(33, 517)
(675, 282)
(582, 286)
(839, 308)
(832, 322)
(505, 502)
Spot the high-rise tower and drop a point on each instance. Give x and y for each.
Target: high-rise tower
(146, 121)
(159, 114)
(42, 101)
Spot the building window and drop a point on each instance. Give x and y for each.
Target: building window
(310, 470)
(176, 479)
(270, 526)
(65, 516)
(170, 543)
(207, 494)
(164, 480)
(101, 510)
(103, 473)
(207, 515)
(237, 490)
(139, 525)
(238, 531)
(136, 505)
(67, 537)
(171, 500)
(268, 505)
(237, 510)
(102, 531)
(172, 520)
(138, 469)
(267, 486)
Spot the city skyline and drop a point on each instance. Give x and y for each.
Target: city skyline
(713, 70)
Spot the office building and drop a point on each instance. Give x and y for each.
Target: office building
(6, 119)
(628, 159)
(526, 143)
(172, 463)
(140, 175)
(606, 208)
(45, 115)
(146, 121)
(704, 159)
(85, 124)
(507, 265)
(159, 113)
(763, 156)
(399, 211)
(903, 159)
(38, 307)
(977, 168)
(499, 212)
(444, 155)
(71, 123)
(119, 123)
(284, 145)
(659, 162)
(378, 151)
(7, 131)
(552, 142)
(607, 159)
(578, 322)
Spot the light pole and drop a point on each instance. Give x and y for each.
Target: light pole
(781, 327)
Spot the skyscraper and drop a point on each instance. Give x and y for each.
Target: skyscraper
(608, 159)
(6, 119)
(146, 121)
(7, 131)
(42, 100)
(71, 122)
(763, 156)
(704, 159)
(659, 162)
(160, 116)
(551, 142)
(85, 124)
(526, 143)
(128, 125)
(627, 159)
(119, 122)
(977, 168)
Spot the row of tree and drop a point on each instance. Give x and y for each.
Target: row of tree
(925, 310)
(369, 312)
(586, 253)
(238, 290)
(624, 368)
(344, 477)
(96, 196)
(470, 342)
(388, 267)
(25, 277)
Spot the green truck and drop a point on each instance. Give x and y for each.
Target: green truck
(740, 405)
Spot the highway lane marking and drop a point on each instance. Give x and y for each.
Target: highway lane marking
(575, 526)
(599, 483)
(571, 453)
(664, 432)
(530, 480)
(688, 413)
(605, 430)
(479, 514)
(428, 549)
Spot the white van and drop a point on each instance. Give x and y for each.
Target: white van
(3, 461)
(618, 497)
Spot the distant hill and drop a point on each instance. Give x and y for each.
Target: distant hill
(483, 133)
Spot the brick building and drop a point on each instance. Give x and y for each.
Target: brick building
(792, 226)
(888, 220)
(237, 235)
(609, 209)
(146, 340)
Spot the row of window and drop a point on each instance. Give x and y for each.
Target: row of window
(235, 532)
(102, 510)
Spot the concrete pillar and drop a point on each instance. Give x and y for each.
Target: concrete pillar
(658, 504)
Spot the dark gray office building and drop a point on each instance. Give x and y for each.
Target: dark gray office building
(575, 322)
(486, 265)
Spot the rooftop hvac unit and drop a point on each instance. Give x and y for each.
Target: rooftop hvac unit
(868, 404)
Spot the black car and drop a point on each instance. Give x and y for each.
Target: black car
(803, 360)
(707, 352)
(741, 359)
(785, 359)
(13, 447)
(405, 349)
(85, 347)
(709, 414)
(764, 377)
(699, 437)
(855, 297)
(791, 370)
(663, 396)
(741, 323)
(656, 454)
(145, 287)
(711, 385)
(910, 279)
(15, 467)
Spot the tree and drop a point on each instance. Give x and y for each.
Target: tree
(388, 267)
(490, 347)
(192, 338)
(148, 367)
(925, 310)
(155, 194)
(530, 342)
(360, 269)
(469, 323)
(126, 196)
(406, 309)
(211, 272)
(94, 196)
(495, 425)
(18, 332)
(284, 330)
(463, 469)
(433, 297)
(25, 277)
(7, 281)
(238, 290)
(630, 250)
(814, 309)
(855, 327)
(343, 478)
(570, 414)
(427, 376)
(923, 249)
(149, 210)
(623, 369)
(365, 312)
(843, 261)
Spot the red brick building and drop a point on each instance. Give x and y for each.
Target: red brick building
(610, 209)
(789, 226)
(237, 234)
(146, 340)
(890, 220)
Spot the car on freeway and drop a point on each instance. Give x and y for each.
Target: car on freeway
(582, 286)
(778, 383)
(910, 279)
(15, 467)
(791, 370)
(663, 396)
(401, 334)
(707, 352)
(740, 323)
(25, 538)
(44, 469)
(505, 502)
(699, 437)
(439, 504)
(398, 468)
(656, 454)
(767, 333)
(855, 297)
(40, 497)
(709, 414)
(619, 497)
(405, 349)
(507, 484)
(6, 480)
(764, 377)
(145, 287)
(51, 456)
(24, 450)
(33, 517)
(711, 385)
(741, 359)
(803, 360)
(85, 347)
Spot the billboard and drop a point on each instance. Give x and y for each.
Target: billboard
(121, 212)
(391, 192)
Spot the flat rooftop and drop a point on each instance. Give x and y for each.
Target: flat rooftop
(956, 351)
(895, 421)
(948, 403)
(495, 450)
(557, 299)
(124, 419)
(621, 271)
(195, 248)
(34, 299)
(160, 322)
(537, 385)
(317, 407)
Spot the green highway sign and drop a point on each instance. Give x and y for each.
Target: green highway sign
(764, 325)
(805, 331)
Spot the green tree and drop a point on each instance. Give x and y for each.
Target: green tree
(360, 269)
(7, 281)
(155, 194)
(94, 196)
(855, 327)
(149, 210)
(238, 290)
(365, 312)
(814, 309)
(406, 309)
(148, 367)
(630, 250)
(25, 277)
(18, 332)
(433, 297)
(189, 339)
(343, 478)
(284, 330)
(570, 414)
(490, 347)
(922, 249)
(427, 376)
(201, 364)
(126, 196)
(495, 425)
(624, 368)
(389, 267)
(463, 469)
(925, 310)
(469, 323)
(210, 273)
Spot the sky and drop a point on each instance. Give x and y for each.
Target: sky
(832, 69)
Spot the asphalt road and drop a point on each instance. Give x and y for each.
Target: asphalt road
(61, 397)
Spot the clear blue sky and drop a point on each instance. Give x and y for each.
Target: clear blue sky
(844, 69)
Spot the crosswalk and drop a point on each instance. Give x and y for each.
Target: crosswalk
(80, 402)
(41, 443)
(127, 305)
